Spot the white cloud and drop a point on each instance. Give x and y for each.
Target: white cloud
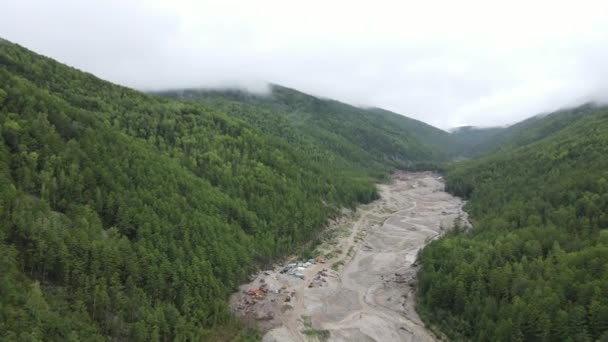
(445, 62)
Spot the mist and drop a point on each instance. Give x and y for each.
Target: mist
(449, 64)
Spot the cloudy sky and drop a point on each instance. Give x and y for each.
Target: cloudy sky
(448, 63)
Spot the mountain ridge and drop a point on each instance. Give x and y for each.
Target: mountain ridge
(332, 121)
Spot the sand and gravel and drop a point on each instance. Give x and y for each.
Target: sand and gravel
(365, 291)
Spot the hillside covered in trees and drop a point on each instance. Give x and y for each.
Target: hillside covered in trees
(476, 142)
(130, 216)
(535, 265)
(367, 138)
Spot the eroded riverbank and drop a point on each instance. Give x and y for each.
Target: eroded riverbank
(368, 294)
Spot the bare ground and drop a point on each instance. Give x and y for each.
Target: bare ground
(366, 289)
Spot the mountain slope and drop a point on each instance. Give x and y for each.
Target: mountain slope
(129, 216)
(475, 142)
(534, 266)
(365, 138)
(439, 141)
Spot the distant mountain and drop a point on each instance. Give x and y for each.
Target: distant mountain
(473, 130)
(371, 137)
(437, 139)
(542, 126)
(367, 137)
(475, 142)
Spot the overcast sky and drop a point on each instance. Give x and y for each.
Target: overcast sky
(447, 63)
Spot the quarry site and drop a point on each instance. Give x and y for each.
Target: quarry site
(361, 287)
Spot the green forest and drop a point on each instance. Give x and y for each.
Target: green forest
(535, 265)
(368, 138)
(127, 215)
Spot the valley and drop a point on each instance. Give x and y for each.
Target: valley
(129, 215)
(371, 297)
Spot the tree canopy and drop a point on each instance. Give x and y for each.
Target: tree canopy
(535, 265)
(130, 216)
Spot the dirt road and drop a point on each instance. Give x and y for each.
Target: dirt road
(365, 291)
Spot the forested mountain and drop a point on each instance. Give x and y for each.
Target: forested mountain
(130, 216)
(475, 142)
(535, 265)
(365, 137)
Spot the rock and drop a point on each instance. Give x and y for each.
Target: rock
(406, 329)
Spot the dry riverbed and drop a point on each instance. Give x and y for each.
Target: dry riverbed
(361, 286)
